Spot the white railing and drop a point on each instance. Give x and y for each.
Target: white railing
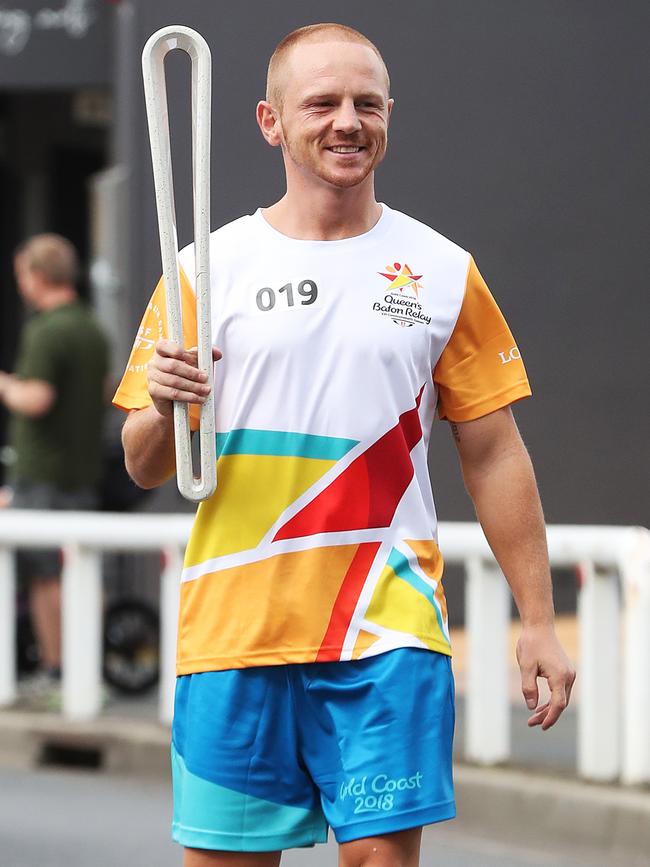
(613, 602)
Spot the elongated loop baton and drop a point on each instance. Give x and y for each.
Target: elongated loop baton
(155, 89)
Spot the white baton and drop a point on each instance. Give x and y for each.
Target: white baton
(155, 89)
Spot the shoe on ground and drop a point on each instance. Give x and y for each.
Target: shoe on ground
(40, 692)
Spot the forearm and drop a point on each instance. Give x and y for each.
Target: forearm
(499, 477)
(32, 398)
(148, 440)
(508, 507)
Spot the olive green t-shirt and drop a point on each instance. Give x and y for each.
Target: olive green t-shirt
(66, 348)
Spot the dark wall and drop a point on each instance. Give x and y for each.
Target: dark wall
(520, 132)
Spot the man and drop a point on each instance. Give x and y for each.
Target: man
(56, 398)
(313, 652)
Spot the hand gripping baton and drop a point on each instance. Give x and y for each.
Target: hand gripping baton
(155, 89)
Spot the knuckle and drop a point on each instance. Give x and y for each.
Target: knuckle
(179, 384)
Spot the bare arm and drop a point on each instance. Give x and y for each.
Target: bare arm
(30, 397)
(148, 434)
(499, 477)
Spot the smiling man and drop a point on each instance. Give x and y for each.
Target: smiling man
(314, 678)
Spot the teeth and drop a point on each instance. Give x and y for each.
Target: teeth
(345, 150)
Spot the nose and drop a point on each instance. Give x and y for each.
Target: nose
(346, 119)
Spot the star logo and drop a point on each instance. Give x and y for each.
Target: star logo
(400, 277)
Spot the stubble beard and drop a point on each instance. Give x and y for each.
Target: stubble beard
(305, 159)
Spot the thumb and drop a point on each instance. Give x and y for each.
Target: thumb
(529, 687)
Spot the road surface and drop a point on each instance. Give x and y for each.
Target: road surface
(63, 818)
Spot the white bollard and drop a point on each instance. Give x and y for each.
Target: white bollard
(169, 605)
(82, 632)
(487, 703)
(7, 627)
(635, 575)
(599, 708)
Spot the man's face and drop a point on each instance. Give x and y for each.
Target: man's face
(335, 111)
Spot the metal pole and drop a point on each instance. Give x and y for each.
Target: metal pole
(82, 632)
(635, 576)
(487, 624)
(169, 604)
(599, 708)
(7, 627)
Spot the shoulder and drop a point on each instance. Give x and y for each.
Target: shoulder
(425, 234)
(38, 330)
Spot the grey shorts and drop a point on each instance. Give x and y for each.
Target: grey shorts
(35, 563)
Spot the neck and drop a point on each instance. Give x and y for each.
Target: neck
(322, 212)
(57, 297)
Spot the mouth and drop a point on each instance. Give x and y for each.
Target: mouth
(345, 149)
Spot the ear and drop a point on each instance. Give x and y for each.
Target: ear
(269, 123)
(391, 103)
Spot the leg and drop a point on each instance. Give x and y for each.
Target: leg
(45, 606)
(207, 858)
(401, 849)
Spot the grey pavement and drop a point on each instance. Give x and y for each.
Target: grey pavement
(55, 818)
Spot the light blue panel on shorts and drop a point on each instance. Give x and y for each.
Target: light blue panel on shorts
(209, 816)
(388, 766)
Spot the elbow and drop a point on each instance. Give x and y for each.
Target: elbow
(148, 458)
(139, 474)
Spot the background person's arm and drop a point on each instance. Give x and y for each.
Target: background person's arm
(30, 397)
(499, 477)
(148, 433)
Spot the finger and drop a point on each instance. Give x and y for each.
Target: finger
(217, 354)
(164, 386)
(539, 715)
(569, 685)
(161, 393)
(169, 349)
(175, 367)
(557, 705)
(529, 687)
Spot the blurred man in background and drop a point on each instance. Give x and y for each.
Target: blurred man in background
(56, 399)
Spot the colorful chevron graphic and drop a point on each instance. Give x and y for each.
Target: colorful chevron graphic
(405, 602)
(367, 493)
(294, 593)
(261, 473)
(288, 600)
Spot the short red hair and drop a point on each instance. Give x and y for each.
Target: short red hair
(312, 33)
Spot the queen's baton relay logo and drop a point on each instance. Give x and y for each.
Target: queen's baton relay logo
(401, 301)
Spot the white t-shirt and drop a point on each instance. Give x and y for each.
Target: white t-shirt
(320, 542)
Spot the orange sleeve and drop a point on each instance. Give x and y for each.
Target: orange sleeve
(132, 392)
(480, 370)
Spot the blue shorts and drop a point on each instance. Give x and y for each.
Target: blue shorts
(266, 758)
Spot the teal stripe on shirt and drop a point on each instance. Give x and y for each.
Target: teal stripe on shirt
(246, 441)
(400, 566)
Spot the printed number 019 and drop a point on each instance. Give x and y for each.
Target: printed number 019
(307, 289)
